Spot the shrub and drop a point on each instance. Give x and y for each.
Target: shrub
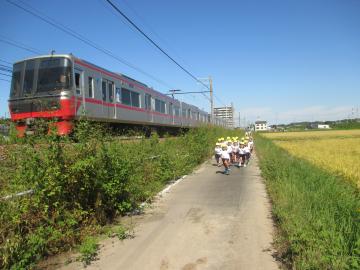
(79, 186)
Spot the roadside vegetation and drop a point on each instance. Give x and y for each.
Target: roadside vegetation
(316, 209)
(79, 187)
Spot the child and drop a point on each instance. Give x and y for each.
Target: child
(230, 149)
(247, 153)
(225, 158)
(235, 150)
(218, 151)
(251, 144)
(241, 154)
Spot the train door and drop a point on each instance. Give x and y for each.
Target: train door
(148, 108)
(79, 92)
(104, 98)
(152, 108)
(171, 113)
(111, 106)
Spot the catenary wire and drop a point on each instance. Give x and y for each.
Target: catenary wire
(152, 42)
(157, 46)
(18, 45)
(1, 60)
(6, 74)
(4, 80)
(85, 40)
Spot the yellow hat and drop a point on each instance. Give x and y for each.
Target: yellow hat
(223, 145)
(218, 144)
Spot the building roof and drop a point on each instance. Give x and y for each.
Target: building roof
(260, 122)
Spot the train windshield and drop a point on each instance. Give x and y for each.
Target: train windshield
(41, 76)
(54, 74)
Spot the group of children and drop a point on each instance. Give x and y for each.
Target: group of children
(234, 151)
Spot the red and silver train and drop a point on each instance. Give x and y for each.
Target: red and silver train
(64, 88)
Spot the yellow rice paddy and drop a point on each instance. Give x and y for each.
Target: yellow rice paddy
(336, 151)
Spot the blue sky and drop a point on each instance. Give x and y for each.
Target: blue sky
(278, 60)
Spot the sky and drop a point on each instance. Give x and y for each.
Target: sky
(276, 60)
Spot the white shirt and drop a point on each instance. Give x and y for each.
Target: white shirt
(235, 149)
(218, 150)
(225, 154)
(241, 151)
(251, 144)
(230, 149)
(247, 149)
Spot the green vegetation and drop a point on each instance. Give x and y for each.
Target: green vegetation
(88, 250)
(317, 213)
(349, 124)
(78, 187)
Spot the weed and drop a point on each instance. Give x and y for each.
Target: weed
(88, 249)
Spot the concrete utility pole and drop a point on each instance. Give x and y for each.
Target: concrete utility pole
(211, 100)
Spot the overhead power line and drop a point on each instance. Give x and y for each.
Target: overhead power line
(6, 74)
(153, 42)
(5, 66)
(5, 62)
(5, 80)
(73, 33)
(19, 45)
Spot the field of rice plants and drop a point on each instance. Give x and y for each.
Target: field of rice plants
(336, 151)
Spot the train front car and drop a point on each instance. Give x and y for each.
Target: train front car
(43, 88)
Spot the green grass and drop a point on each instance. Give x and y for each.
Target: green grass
(88, 250)
(317, 213)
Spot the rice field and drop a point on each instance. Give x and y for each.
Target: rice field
(337, 151)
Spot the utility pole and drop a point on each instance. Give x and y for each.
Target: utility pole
(211, 100)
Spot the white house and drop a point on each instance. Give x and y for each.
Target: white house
(323, 126)
(260, 126)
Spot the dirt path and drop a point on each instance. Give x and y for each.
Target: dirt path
(207, 221)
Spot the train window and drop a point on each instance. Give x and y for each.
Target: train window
(16, 80)
(118, 95)
(91, 87)
(103, 87)
(160, 106)
(157, 105)
(111, 91)
(125, 96)
(147, 102)
(135, 99)
(29, 77)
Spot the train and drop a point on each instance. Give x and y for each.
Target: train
(64, 88)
